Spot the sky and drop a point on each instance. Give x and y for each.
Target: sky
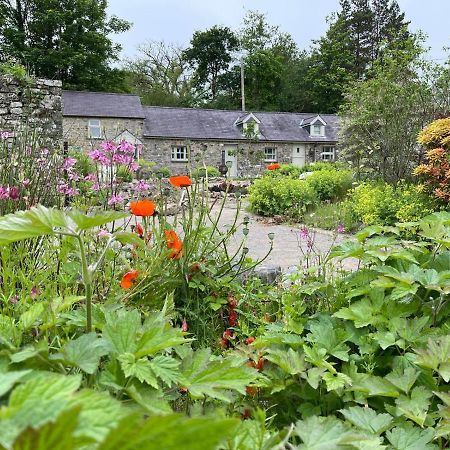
(175, 21)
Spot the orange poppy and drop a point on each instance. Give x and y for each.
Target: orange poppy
(128, 279)
(174, 243)
(180, 181)
(273, 166)
(143, 208)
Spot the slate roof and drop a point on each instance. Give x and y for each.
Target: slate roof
(192, 123)
(102, 104)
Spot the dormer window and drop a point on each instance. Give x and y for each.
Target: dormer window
(317, 129)
(248, 125)
(315, 125)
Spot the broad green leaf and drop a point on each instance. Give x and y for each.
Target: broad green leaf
(121, 330)
(152, 400)
(436, 356)
(416, 406)
(291, 361)
(362, 313)
(336, 380)
(166, 369)
(314, 376)
(373, 386)
(139, 368)
(171, 432)
(408, 437)
(84, 352)
(55, 435)
(203, 377)
(9, 379)
(367, 419)
(85, 222)
(99, 413)
(323, 433)
(404, 379)
(37, 221)
(31, 316)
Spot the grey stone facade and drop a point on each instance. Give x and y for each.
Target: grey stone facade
(250, 156)
(76, 130)
(34, 104)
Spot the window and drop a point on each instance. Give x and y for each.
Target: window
(328, 154)
(270, 154)
(94, 129)
(317, 130)
(179, 153)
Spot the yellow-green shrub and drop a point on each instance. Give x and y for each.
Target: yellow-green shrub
(331, 184)
(384, 204)
(286, 196)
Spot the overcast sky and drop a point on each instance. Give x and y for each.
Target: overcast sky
(175, 21)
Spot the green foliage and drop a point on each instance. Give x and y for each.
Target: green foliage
(330, 184)
(271, 196)
(125, 174)
(329, 216)
(384, 204)
(162, 172)
(200, 172)
(70, 43)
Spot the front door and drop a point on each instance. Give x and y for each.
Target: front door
(231, 158)
(299, 155)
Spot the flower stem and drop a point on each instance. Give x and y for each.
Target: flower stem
(87, 281)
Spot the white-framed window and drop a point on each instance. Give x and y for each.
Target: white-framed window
(317, 129)
(179, 153)
(328, 154)
(94, 129)
(270, 154)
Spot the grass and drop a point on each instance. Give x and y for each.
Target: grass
(329, 216)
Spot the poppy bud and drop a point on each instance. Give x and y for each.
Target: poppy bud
(184, 326)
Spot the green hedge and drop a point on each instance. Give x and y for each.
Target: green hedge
(384, 204)
(286, 196)
(331, 184)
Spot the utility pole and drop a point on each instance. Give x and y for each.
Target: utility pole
(242, 85)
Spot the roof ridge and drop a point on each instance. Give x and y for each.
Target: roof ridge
(238, 111)
(103, 93)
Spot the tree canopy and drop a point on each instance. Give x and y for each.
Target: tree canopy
(63, 39)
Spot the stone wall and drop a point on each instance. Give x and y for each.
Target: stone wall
(32, 104)
(250, 156)
(75, 130)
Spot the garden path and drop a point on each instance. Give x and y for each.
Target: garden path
(288, 247)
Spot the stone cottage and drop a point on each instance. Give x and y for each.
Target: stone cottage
(177, 137)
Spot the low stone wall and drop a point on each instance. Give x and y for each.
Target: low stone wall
(34, 104)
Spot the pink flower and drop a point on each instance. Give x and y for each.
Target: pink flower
(69, 163)
(115, 199)
(73, 176)
(90, 177)
(141, 186)
(304, 233)
(340, 228)
(34, 292)
(13, 193)
(126, 147)
(134, 166)
(96, 187)
(4, 193)
(103, 233)
(25, 183)
(4, 135)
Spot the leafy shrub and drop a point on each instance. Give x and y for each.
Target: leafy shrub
(124, 173)
(84, 165)
(384, 204)
(271, 196)
(163, 172)
(211, 171)
(330, 184)
(436, 134)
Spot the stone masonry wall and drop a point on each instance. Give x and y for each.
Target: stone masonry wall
(250, 156)
(75, 130)
(32, 104)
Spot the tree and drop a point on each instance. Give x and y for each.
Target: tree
(64, 39)
(210, 55)
(382, 115)
(357, 37)
(161, 76)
